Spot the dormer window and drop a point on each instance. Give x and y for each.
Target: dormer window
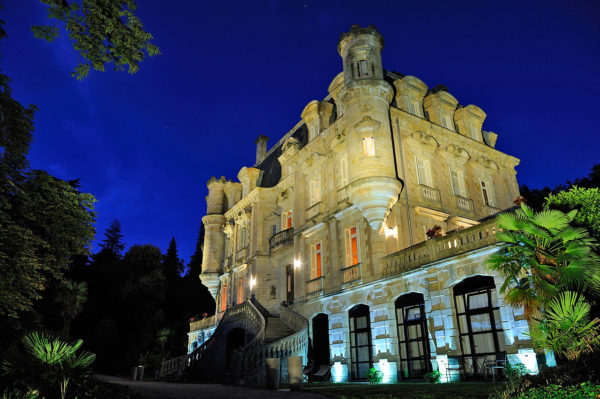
(362, 68)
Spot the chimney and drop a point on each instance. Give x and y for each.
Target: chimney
(261, 147)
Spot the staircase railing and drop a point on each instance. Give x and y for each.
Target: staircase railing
(245, 312)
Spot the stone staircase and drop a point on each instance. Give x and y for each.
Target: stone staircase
(267, 336)
(276, 329)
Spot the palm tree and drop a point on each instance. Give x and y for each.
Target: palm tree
(567, 330)
(49, 365)
(542, 255)
(71, 296)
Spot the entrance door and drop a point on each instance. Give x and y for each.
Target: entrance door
(289, 282)
(412, 335)
(360, 342)
(320, 326)
(235, 341)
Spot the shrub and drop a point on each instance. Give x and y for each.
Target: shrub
(585, 390)
(433, 376)
(374, 376)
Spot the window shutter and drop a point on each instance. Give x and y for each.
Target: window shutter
(317, 189)
(312, 192)
(348, 248)
(343, 172)
(461, 184)
(429, 181)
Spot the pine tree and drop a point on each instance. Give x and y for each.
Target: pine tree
(172, 264)
(195, 265)
(113, 239)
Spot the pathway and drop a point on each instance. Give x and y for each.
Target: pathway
(168, 390)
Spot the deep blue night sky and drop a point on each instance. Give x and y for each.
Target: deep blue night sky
(145, 145)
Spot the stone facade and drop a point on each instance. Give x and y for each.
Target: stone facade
(337, 214)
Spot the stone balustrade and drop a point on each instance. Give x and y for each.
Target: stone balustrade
(315, 285)
(429, 194)
(422, 254)
(351, 273)
(203, 324)
(465, 204)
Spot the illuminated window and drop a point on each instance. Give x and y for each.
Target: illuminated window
(423, 172)
(223, 297)
(351, 246)
(343, 171)
(369, 146)
(315, 191)
(362, 68)
(286, 220)
(485, 193)
(240, 290)
(315, 271)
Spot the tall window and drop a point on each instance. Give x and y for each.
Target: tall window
(458, 184)
(369, 146)
(479, 323)
(486, 194)
(343, 171)
(351, 246)
(286, 220)
(362, 68)
(316, 261)
(423, 172)
(315, 190)
(412, 335)
(361, 349)
(223, 297)
(240, 290)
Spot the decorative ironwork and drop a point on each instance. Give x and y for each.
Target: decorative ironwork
(281, 238)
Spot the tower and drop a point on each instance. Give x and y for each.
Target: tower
(214, 238)
(364, 101)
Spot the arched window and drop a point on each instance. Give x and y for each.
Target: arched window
(479, 323)
(412, 335)
(360, 341)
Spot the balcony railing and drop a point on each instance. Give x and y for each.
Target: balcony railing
(314, 285)
(342, 194)
(241, 254)
(491, 210)
(429, 194)
(281, 238)
(313, 211)
(465, 204)
(351, 273)
(462, 241)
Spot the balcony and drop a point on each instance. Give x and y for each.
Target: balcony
(281, 238)
(491, 210)
(313, 211)
(430, 194)
(464, 204)
(241, 254)
(314, 286)
(351, 274)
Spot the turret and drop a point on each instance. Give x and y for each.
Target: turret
(364, 101)
(214, 239)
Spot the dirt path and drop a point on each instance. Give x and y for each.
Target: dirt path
(167, 390)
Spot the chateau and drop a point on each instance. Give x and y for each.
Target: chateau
(358, 240)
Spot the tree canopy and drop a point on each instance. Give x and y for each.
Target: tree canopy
(101, 31)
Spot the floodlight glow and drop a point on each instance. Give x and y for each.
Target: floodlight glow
(252, 282)
(389, 232)
(297, 263)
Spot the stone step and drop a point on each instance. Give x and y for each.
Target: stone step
(276, 329)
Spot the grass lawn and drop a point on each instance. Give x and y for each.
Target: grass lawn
(406, 390)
